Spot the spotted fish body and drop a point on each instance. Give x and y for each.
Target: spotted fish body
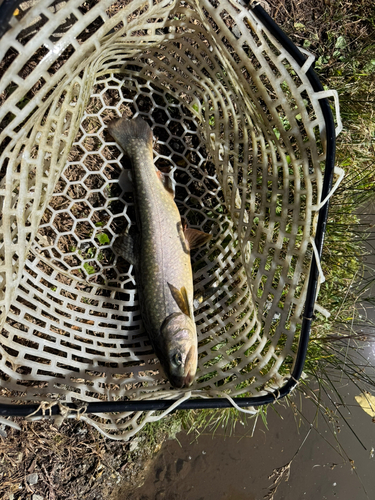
(160, 253)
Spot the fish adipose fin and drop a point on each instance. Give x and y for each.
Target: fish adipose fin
(126, 132)
(196, 238)
(124, 246)
(181, 298)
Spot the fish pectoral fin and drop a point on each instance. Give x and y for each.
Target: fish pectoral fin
(181, 298)
(124, 246)
(196, 238)
(201, 296)
(167, 182)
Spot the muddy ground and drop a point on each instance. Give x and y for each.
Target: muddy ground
(74, 461)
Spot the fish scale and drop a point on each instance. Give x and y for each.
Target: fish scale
(161, 256)
(161, 243)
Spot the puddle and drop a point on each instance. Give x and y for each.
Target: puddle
(238, 467)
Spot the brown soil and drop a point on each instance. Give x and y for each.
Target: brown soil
(72, 462)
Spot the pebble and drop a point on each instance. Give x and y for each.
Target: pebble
(134, 444)
(32, 478)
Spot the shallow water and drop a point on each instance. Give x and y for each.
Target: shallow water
(237, 467)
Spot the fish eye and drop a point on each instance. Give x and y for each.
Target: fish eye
(177, 359)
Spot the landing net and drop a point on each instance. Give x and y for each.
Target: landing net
(236, 121)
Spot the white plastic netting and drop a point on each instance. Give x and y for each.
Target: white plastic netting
(234, 117)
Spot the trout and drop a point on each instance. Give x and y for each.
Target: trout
(160, 254)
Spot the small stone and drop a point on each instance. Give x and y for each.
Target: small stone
(134, 444)
(32, 478)
(38, 497)
(236, 32)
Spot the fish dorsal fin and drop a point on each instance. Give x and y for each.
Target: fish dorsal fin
(196, 238)
(181, 298)
(167, 182)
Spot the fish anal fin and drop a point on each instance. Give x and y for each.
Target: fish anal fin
(167, 182)
(181, 298)
(124, 246)
(196, 238)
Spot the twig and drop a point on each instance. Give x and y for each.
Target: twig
(283, 472)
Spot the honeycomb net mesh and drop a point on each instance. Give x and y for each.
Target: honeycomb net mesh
(236, 121)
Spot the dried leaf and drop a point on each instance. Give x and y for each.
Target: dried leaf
(367, 402)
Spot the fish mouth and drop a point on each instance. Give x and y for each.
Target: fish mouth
(181, 382)
(190, 369)
(189, 379)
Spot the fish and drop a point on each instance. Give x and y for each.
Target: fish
(160, 255)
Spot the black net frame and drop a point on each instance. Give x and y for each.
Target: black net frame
(6, 410)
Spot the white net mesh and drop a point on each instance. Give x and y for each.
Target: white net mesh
(238, 123)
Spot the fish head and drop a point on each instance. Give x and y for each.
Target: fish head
(180, 354)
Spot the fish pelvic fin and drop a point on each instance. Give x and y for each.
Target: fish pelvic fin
(184, 224)
(126, 132)
(181, 298)
(124, 246)
(196, 238)
(167, 182)
(202, 296)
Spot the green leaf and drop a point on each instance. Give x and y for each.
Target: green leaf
(340, 43)
(91, 252)
(89, 269)
(299, 26)
(320, 62)
(23, 102)
(102, 238)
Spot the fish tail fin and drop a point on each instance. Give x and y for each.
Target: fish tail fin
(125, 131)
